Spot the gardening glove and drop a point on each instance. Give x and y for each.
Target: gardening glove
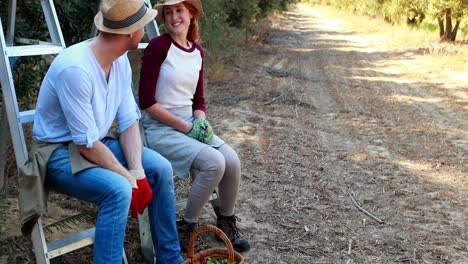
(198, 129)
(144, 193)
(208, 138)
(133, 203)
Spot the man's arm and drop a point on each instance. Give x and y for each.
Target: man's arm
(101, 155)
(131, 144)
(130, 141)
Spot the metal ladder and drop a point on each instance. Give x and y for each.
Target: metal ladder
(10, 53)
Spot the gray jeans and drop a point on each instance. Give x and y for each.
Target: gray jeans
(213, 167)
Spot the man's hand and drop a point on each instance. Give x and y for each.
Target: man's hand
(145, 194)
(133, 203)
(142, 195)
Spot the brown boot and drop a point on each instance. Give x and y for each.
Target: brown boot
(228, 225)
(185, 230)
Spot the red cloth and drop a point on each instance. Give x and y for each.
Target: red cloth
(141, 197)
(145, 194)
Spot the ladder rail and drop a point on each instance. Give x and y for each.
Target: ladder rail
(53, 24)
(10, 37)
(39, 243)
(11, 106)
(12, 113)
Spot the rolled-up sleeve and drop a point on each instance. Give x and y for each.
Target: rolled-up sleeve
(128, 114)
(75, 95)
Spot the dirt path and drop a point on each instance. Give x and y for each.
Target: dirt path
(320, 114)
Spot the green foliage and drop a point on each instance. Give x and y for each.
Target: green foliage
(459, 8)
(267, 6)
(28, 17)
(241, 12)
(413, 11)
(212, 260)
(76, 19)
(27, 76)
(216, 31)
(71, 221)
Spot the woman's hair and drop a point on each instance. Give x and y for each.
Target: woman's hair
(194, 29)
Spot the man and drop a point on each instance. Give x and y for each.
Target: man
(86, 89)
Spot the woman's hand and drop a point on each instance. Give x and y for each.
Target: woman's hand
(201, 131)
(188, 127)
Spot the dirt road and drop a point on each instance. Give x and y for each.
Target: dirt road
(322, 116)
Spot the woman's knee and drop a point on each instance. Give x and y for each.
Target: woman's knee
(211, 162)
(231, 157)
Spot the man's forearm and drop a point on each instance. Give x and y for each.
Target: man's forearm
(101, 155)
(131, 144)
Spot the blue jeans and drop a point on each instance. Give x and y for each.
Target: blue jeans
(113, 193)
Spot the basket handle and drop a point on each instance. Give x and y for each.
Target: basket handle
(216, 231)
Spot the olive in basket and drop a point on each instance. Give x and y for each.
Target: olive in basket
(217, 261)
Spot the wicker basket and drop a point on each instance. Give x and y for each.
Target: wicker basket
(202, 256)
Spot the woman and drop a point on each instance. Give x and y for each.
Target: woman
(172, 94)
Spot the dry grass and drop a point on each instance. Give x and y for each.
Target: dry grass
(405, 42)
(399, 37)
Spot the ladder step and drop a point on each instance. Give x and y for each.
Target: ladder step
(71, 243)
(142, 45)
(26, 116)
(32, 50)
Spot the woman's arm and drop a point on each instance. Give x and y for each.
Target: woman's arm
(199, 114)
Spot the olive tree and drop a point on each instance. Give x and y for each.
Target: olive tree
(449, 15)
(414, 11)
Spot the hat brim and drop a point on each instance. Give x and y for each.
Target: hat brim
(196, 4)
(148, 17)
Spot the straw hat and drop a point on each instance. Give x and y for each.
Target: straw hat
(123, 16)
(195, 3)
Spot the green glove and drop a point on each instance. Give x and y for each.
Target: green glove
(201, 131)
(208, 138)
(198, 129)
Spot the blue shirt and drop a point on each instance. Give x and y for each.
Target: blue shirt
(76, 102)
